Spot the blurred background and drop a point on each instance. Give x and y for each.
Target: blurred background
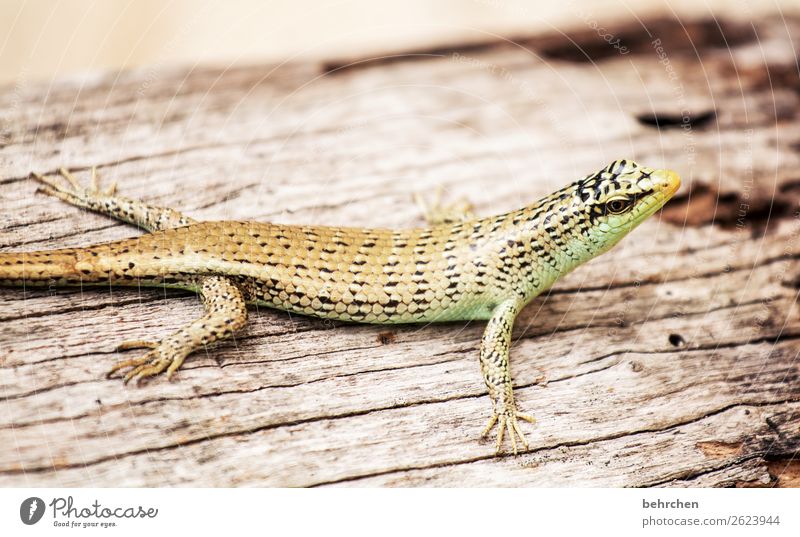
(43, 39)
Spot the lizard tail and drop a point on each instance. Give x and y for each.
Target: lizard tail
(43, 268)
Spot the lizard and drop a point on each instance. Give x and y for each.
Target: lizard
(457, 268)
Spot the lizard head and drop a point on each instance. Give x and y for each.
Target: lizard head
(619, 197)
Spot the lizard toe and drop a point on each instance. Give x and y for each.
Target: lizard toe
(506, 422)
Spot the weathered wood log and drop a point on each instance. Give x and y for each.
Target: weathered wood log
(670, 361)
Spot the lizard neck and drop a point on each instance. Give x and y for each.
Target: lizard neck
(542, 242)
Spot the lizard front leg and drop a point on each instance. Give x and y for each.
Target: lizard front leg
(225, 313)
(437, 213)
(497, 375)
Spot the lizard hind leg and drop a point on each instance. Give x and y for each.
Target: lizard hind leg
(225, 309)
(225, 313)
(106, 202)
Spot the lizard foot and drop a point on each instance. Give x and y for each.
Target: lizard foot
(153, 363)
(77, 194)
(438, 213)
(507, 420)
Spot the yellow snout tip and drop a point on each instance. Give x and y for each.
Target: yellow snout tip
(670, 180)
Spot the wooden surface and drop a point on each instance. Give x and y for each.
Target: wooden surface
(670, 361)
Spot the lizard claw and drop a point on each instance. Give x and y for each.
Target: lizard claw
(136, 344)
(507, 421)
(76, 193)
(151, 364)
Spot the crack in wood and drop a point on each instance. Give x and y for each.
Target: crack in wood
(561, 445)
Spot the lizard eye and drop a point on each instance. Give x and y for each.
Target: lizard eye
(618, 205)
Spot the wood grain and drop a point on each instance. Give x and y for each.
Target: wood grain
(670, 361)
